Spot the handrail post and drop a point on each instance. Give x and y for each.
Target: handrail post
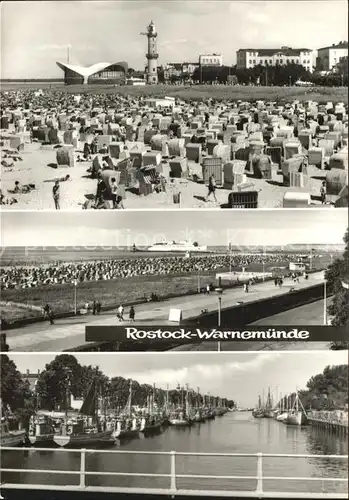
(259, 489)
(82, 467)
(173, 473)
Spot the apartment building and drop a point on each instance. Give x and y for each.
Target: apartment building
(249, 58)
(180, 70)
(329, 57)
(211, 60)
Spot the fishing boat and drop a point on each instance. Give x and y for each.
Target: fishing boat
(180, 246)
(41, 429)
(127, 426)
(179, 418)
(198, 414)
(258, 412)
(11, 432)
(182, 415)
(9, 437)
(152, 421)
(296, 415)
(281, 414)
(268, 411)
(85, 428)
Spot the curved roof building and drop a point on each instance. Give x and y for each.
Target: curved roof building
(103, 72)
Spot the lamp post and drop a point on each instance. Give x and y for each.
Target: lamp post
(230, 262)
(75, 296)
(325, 300)
(199, 287)
(219, 292)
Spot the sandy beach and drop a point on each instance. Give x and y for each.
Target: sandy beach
(35, 169)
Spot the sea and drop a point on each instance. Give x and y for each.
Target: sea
(43, 255)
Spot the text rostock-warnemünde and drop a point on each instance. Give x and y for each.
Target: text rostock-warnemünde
(215, 334)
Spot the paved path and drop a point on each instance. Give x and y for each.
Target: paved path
(69, 333)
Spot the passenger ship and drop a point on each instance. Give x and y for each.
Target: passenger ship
(180, 246)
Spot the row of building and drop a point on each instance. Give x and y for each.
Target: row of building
(327, 59)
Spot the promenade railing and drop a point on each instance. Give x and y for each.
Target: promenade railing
(173, 477)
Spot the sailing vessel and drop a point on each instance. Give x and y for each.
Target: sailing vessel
(282, 410)
(152, 421)
(198, 413)
(258, 412)
(268, 408)
(11, 437)
(41, 429)
(8, 436)
(85, 428)
(296, 415)
(180, 417)
(126, 426)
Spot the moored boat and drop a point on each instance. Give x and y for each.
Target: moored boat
(126, 425)
(41, 429)
(85, 428)
(296, 415)
(9, 437)
(179, 418)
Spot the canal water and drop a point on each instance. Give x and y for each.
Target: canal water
(236, 432)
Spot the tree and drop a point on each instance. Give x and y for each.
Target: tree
(338, 272)
(15, 393)
(61, 376)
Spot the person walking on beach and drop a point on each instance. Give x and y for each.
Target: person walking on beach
(211, 188)
(56, 195)
(132, 314)
(121, 312)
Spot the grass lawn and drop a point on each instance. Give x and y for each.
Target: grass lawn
(110, 293)
(199, 92)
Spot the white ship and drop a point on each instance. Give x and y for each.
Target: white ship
(177, 246)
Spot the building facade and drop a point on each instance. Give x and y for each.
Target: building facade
(180, 70)
(211, 60)
(329, 57)
(97, 73)
(249, 58)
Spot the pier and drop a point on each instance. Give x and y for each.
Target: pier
(174, 477)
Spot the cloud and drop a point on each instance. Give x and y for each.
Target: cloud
(203, 373)
(55, 47)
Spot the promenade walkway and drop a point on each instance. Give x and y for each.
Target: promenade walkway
(68, 333)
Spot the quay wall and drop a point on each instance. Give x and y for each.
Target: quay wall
(332, 418)
(239, 315)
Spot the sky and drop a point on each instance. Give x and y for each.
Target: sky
(211, 228)
(36, 34)
(241, 377)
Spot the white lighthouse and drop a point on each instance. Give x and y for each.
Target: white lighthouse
(152, 54)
